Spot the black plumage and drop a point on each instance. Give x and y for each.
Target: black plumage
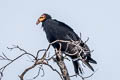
(56, 30)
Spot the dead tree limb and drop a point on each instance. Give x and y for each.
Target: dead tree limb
(44, 60)
(62, 66)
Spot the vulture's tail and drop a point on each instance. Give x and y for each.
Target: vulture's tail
(77, 67)
(89, 59)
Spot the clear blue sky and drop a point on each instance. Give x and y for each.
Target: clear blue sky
(97, 19)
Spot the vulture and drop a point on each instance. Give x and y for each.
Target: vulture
(57, 30)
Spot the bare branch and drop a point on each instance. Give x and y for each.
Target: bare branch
(58, 57)
(86, 40)
(25, 71)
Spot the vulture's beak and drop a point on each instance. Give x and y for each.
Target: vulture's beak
(41, 19)
(37, 22)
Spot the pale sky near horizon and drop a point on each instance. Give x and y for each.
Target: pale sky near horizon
(97, 19)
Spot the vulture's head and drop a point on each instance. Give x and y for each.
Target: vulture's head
(42, 18)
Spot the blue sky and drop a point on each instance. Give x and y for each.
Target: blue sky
(99, 20)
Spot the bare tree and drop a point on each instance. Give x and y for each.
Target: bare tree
(58, 57)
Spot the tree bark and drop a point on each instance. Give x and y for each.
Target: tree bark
(62, 65)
